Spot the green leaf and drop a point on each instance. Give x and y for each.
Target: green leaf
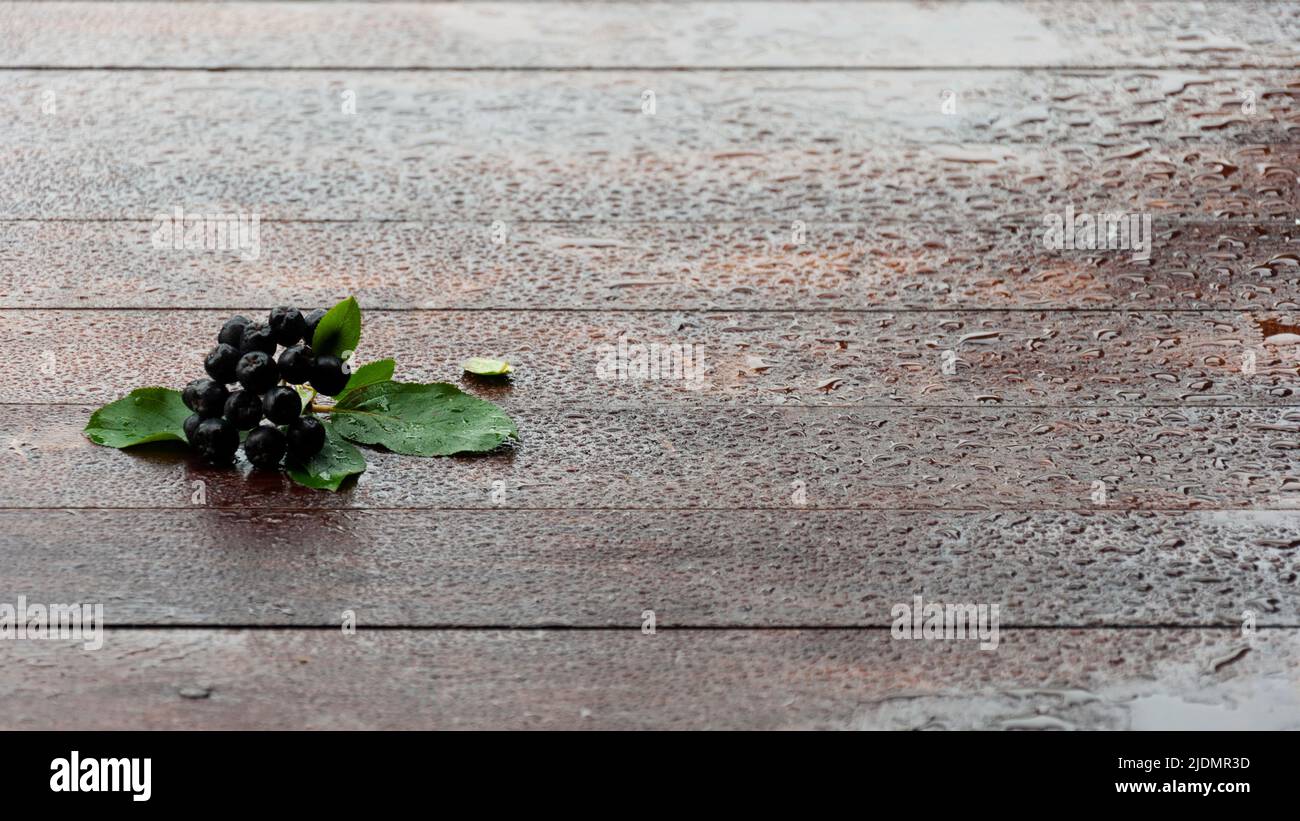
(336, 461)
(339, 330)
(370, 373)
(486, 367)
(306, 394)
(144, 415)
(421, 420)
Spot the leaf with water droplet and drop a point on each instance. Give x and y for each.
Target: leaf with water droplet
(370, 373)
(336, 461)
(436, 419)
(486, 367)
(144, 415)
(339, 331)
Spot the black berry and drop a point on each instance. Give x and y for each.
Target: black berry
(220, 363)
(216, 440)
(306, 436)
(244, 409)
(257, 372)
(264, 447)
(282, 405)
(205, 397)
(244, 358)
(295, 364)
(232, 333)
(257, 338)
(328, 376)
(313, 319)
(288, 325)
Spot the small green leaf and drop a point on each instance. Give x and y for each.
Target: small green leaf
(370, 373)
(336, 461)
(306, 394)
(486, 367)
(339, 330)
(421, 420)
(144, 415)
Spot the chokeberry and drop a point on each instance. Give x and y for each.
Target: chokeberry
(306, 436)
(328, 376)
(205, 397)
(312, 319)
(257, 372)
(191, 424)
(244, 409)
(257, 338)
(220, 363)
(232, 332)
(287, 324)
(282, 405)
(264, 447)
(216, 440)
(295, 364)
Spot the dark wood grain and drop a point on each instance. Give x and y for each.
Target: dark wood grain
(755, 34)
(1111, 359)
(1040, 679)
(667, 458)
(603, 568)
(650, 266)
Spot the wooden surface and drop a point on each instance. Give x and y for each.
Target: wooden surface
(801, 208)
(601, 568)
(575, 146)
(658, 266)
(668, 34)
(730, 456)
(1003, 358)
(682, 679)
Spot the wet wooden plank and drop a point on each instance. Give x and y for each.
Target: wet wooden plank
(604, 568)
(132, 145)
(978, 184)
(405, 113)
(674, 457)
(657, 34)
(930, 358)
(768, 265)
(1039, 679)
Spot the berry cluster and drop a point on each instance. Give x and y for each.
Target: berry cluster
(245, 353)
